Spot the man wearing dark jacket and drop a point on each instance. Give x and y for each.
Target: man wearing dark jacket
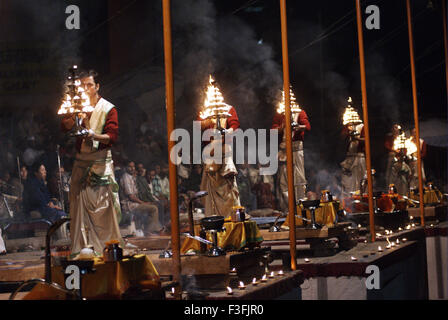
(37, 197)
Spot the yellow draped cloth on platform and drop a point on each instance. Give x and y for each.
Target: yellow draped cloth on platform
(429, 197)
(236, 236)
(109, 281)
(325, 215)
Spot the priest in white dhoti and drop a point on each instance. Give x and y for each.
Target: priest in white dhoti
(354, 165)
(301, 124)
(219, 179)
(94, 203)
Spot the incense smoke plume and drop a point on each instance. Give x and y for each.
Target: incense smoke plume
(228, 48)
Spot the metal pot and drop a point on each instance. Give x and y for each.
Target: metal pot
(392, 189)
(326, 196)
(212, 223)
(112, 252)
(310, 203)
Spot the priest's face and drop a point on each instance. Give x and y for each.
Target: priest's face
(90, 86)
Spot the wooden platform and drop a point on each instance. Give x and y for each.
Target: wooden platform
(272, 289)
(151, 243)
(22, 266)
(303, 233)
(438, 212)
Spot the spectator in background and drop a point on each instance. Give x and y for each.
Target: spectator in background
(19, 183)
(150, 178)
(37, 197)
(156, 182)
(164, 181)
(146, 213)
(145, 193)
(5, 183)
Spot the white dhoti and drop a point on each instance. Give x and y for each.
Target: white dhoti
(414, 174)
(94, 203)
(353, 171)
(220, 183)
(298, 172)
(400, 174)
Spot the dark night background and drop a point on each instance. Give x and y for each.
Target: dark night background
(240, 43)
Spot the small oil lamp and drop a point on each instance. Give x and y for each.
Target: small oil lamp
(307, 260)
(229, 291)
(233, 272)
(264, 278)
(354, 258)
(281, 273)
(380, 249)
(271, 275)
(404, 239)
(255, 282)
(241, 285)
(172, 292)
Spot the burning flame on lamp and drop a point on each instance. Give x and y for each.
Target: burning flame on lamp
(254, 281)
(410, 146)
(75, 98)
(229, 291)
(214, 105)
(351, 116)
(400, 142)
(295, 108)
(264, 278)
(241, 286)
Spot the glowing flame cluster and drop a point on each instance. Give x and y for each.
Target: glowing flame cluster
(214, 105)
(410, 146)
(351, 116)
(295, 108)
(75, 99)
(400, 142)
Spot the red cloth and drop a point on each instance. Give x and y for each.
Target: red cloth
(110, 128)
(279, 123)
(389, 142)
(422, 148)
